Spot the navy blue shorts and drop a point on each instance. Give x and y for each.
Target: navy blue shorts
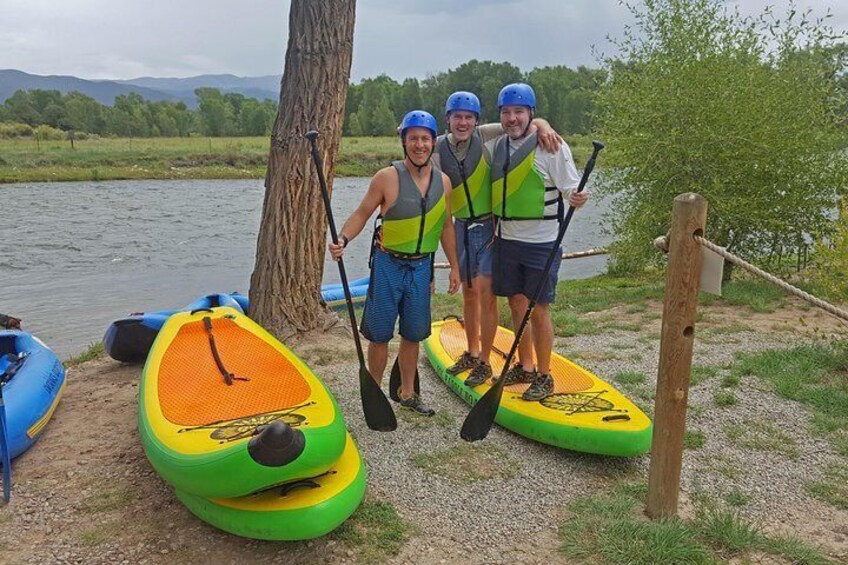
(518, 267)
(398, 287)
(481, 249)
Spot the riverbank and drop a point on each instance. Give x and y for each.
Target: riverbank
(762, 480)
(30, 160)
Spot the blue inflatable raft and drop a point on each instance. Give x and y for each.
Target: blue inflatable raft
(333, 294)
(33, 379)
(130, 339)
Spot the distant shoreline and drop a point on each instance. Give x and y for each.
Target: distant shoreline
(157, 158)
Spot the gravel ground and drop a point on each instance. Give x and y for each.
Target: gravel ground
(86, 494)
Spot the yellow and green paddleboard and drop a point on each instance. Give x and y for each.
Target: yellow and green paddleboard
(274, 421)
(297, 510)
(584, 413)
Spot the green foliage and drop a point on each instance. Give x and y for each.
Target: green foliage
(741, 111)
(832, 487)
(830, 262)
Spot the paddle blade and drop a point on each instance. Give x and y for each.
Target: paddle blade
(379, 415)
(482, 415)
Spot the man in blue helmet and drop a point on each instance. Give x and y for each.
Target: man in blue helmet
(414, 199)
(529, 188)
(464, 157)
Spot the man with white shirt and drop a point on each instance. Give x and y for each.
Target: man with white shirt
(529, 188)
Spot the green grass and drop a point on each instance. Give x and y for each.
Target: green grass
(171, 158)
(468, 463)
(375, 531)
(815, 376)
(94, 351)
(26, 160)
(694, 439)
(700, 373)
(737, 498)
(756, 294)
(108, 500)
(725, 398)
(630, 377)
(762, 436)
(610, 528)
(832, 488)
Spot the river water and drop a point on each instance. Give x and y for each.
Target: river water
(75, 256)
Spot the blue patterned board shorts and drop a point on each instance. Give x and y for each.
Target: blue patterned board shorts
(398, 287)
(518, 267)
(481, 248)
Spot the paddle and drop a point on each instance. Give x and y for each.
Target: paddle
(482, 415)
(4, 447)
(378, 412)
(394, 382)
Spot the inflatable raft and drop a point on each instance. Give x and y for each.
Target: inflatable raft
(129, 339)
(333, 294)
(298, 510)
(33, 380)
(226, 410)
(584, 413)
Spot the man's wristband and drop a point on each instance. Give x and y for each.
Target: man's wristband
(344, 238)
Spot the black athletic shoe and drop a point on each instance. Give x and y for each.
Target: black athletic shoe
(463, 364)
(542, 387)
(414, 403)
(517, 375)
(479, 375)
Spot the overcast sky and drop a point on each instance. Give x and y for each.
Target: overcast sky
(123, 39)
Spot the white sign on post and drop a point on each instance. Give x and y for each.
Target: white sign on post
(712, 271)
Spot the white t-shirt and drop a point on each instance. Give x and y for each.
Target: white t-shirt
(557, 169)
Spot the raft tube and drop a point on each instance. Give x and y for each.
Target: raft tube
(34, 389)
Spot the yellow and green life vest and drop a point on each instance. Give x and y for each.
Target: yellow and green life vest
(518, 188)
(413, 224)
(471, 194)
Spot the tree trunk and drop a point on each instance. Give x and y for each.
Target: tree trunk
(286, 280)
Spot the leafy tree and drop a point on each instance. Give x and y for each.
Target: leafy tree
(565, 97)
(83, 113)
(216, 114)
(20, 107)
(127, 116)
(742, 111)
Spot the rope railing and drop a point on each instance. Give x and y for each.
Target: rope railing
(572, 255)
(662, 244)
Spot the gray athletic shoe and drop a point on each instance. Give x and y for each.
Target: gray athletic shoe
(465, 362)
(414, 403)
(479, 375)
(517, 375)
(542, 387)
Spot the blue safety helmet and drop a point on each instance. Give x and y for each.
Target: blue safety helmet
(418, 119)
(517, 94)
(462, 100)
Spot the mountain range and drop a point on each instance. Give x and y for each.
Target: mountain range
(150, 88)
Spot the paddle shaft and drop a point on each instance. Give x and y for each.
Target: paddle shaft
(482, 415)
(378, 412)
(325, 195)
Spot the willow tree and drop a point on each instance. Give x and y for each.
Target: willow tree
(284, 295)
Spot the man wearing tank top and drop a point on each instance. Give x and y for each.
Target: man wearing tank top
(414, 199)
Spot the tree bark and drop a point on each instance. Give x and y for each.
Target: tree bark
(286, 279)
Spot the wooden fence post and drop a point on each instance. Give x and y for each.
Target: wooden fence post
(689, 216)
